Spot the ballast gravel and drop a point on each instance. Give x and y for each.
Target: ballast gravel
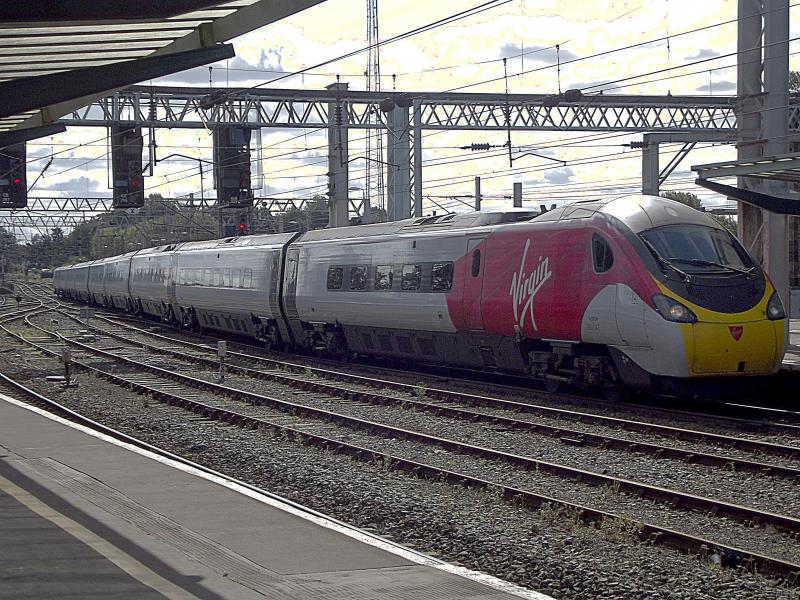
(542, 550)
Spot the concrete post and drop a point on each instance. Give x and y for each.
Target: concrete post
(398, 171)
(748, 116)
(338, 156)
(518, 195)
(775, 130)
(477, 193)
(417, 106)
(650, 166)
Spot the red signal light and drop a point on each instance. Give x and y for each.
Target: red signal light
(242, 226)
(17, 180)
(134, 182)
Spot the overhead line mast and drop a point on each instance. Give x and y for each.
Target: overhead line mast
(374, 188)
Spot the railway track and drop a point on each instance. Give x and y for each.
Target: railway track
(748, 417)
(451, 403)
(193, 394)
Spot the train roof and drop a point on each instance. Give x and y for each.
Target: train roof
(446, 221)
(272, 239)
(638, 211)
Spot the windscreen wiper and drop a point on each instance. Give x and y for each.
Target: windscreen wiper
(710, 263)
(665, 261)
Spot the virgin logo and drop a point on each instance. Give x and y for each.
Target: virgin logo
(525, 286)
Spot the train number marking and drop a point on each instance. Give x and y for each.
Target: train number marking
(524, 287)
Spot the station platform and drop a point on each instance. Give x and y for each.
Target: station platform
(791, 362)
(85, 516)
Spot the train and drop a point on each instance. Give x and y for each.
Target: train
(625, 293)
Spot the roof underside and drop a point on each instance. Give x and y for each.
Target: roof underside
(783, 167)
(779, 168)
(44, 47)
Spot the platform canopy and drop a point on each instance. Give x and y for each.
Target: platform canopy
(57, 56)
(783, 167)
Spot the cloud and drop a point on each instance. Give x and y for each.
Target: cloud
(75, 186)
(535, 53)
(308, 158)
(559, 176)
(718, 87)
(38, 152)
(703, 53)
(596, 86)
(237, 71)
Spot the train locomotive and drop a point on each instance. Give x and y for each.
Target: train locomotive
(629, 292)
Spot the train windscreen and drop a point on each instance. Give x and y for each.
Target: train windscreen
(698, 249)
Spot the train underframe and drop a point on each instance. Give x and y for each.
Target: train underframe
(578, 365)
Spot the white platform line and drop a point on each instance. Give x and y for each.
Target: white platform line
(318, 519)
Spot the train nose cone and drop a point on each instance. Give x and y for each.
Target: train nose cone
(726, 348)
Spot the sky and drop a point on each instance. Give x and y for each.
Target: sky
(461, 55)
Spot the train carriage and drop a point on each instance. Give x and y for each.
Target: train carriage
(72, 282)
(151, 283)
(386, 288)
(95, 282)
(232, 284)
(115, 281)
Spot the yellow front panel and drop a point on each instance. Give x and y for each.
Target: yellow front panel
(716, 350)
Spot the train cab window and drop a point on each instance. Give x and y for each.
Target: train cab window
(335, 278)
(442, 277)
(383, 277)
(358, 277)
(412, 275)
(476, 263)
(602, 256)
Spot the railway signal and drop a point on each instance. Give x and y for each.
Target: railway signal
(232, 166)
(13, 184)
(126, 163)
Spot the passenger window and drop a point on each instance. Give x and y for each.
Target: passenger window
(237, 278)
(476, 263)
(603, 258)
(358, 277)
(442, 277)
(248, 278)
(383, 277)
(411, 277)
(335, 277)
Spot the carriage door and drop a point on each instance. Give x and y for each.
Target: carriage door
(473, 281)
(290, 283)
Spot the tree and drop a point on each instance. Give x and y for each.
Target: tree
(9, 250)
(693, 201)
(686, 198)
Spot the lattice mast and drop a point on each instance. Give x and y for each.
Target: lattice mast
(374, 145)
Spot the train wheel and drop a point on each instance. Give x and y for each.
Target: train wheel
(551, 384)
(614, 393)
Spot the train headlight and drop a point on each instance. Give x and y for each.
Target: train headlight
(775, 310)
(672, 310)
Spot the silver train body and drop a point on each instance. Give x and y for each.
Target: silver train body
(276, 288)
